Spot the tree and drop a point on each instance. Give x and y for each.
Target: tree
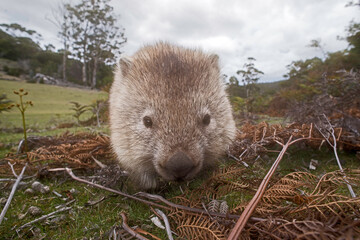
(249, 76)
(16, 30)
(61, 19)
(95, 36)
(317, 44)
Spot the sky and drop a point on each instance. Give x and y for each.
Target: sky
(274, 32)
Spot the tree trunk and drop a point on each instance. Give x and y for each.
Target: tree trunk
(64, 62)
(93, 83)
(84, 72)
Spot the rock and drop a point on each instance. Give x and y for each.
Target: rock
(29, 191)
(46, 189)
(38, 187)
(3, 201)
(35, 211)
(73, 191)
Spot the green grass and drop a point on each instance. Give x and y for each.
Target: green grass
(51, 103)
(82, 221)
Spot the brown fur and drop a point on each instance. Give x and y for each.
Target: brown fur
(174, 87)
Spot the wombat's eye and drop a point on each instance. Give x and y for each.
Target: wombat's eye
(147, 121)
(206, 120)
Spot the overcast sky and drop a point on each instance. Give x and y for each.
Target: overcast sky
(273, 32)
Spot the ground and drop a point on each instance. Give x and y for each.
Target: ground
(86, 221)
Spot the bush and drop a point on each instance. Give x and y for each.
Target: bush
(16, 72)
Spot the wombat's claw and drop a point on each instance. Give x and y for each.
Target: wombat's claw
(148, 181)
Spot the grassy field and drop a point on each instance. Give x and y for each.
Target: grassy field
(51, 107)
(51, 103)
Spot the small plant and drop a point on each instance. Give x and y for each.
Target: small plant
(96, 108)
(79, 110)
(22, 106)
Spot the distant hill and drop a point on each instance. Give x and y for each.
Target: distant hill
(271, 87)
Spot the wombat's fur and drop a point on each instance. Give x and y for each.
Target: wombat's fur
(169, 113)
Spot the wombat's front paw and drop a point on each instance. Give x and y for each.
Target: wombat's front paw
(148, 181)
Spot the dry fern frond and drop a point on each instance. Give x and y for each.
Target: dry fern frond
(214, 205)
(306, 229)
(199, 227)
(290, 188)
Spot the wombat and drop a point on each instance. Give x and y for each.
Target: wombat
(169, 114)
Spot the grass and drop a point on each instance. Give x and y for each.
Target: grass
(51, 103)
(81, 221)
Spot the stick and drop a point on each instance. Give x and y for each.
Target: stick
(129, 229)
(44, 217)
(237, 159)
(12, 193)
(13, 170)
(68, 170)
(169, 204)
(334, 145)
(166, 221)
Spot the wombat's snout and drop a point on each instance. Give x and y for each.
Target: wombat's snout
(179, 165)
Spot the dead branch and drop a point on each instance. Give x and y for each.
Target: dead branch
(152, 197)
(237, 159)
(330, 130)
(44, 217)
(3, 212)
(129, 229)
(69, 171)
(166, 221)
(12, 169)
(66, 204)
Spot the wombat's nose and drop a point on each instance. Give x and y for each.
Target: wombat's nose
(179, 165)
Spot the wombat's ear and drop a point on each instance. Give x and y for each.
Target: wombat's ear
(125, 64)
(214, 59)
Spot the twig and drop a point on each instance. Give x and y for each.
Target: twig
(66, 204)
(100, 164)
(203, 204)
(95, 202)
(166, 221)
(152, 197)
(12, 169)
(237, 159)
(3, 212)
(68, 170)
(331, 131)
(22, 141)
(129, 229)
(43, 217)
(7, 179)
(57, 194)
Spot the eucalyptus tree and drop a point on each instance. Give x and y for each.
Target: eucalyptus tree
(95, 36)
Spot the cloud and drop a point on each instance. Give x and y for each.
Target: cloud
(273, 32)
